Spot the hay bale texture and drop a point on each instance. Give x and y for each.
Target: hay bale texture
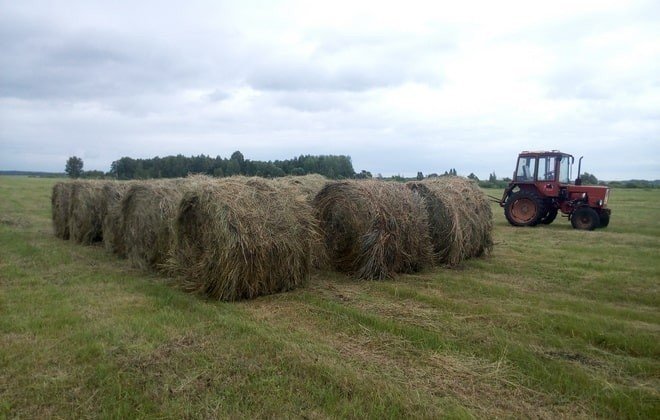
(238, 238)
(113, 228)
(308, 185)
(60, 207)
(374, 229)
(86, 211)
(460, 218)
(148, 212)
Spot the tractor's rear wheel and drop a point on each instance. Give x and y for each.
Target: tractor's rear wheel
(585, 218)
(549, 216)
(523, 208)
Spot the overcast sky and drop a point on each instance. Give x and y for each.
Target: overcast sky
(401, 86)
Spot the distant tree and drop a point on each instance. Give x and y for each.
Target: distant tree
(74, 167)
(363, 175)
(93, 174)
(473, 177)
(492, 177)
(420, 176)
(240, 159)
(589, 179)
(297, 171)
(233, 167)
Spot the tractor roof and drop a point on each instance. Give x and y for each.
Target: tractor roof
(543, 153)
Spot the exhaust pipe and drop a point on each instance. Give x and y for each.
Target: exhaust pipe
(578, 180)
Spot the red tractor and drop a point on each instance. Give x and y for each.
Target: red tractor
(542, 187)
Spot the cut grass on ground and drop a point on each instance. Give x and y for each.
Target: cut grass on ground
(556, 322)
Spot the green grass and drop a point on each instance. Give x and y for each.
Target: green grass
(556, 322)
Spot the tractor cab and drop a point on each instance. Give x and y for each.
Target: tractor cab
(547, 171)
(541, 187)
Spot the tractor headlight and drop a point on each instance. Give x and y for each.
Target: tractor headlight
(600, 203)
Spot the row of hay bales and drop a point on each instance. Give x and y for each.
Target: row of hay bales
(238, 238)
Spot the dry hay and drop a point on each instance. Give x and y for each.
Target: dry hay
(148, 211)
(238, 238)
(60, 199)
(86, 211)
(460, 218)
(374, 229)
(308, 185)
(113, 229)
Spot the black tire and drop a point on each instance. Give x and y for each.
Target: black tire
(585, 218)
(550, 216)
(604, 219)
(523, 208)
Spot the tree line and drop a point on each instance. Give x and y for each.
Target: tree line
(330, 166)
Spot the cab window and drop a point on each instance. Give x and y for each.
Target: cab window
(547, 168)
(565, 170)
(526, 169)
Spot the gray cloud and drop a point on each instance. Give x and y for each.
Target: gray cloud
(48, 64)
(424, 91)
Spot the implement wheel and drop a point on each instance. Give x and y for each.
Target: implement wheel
(604, 219)
(585, 218)
(523, 208)
(549, 217)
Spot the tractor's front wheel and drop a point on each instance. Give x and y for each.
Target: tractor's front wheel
(585, 218)
(523, 208)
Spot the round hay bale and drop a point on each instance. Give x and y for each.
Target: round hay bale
(113, 234)
(444, 224)
(86, 211)
(60, 199)
(308, 185)
(239, 238)
(374, 229)
(148, 211)
(460, 218)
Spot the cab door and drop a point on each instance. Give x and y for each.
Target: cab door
(547, 175)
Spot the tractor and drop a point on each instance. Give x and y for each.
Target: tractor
(542, 187)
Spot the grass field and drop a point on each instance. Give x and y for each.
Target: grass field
(556, 323)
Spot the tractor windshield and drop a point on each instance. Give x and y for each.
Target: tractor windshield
(565, 166)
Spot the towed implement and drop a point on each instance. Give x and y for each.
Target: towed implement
(542, 187)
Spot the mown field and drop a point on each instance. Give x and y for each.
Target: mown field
(555, 323)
